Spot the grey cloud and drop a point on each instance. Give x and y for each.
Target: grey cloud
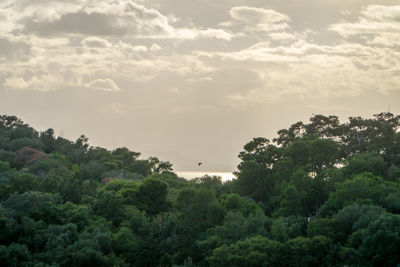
(12, 50)
(124, 18)
(78, 23)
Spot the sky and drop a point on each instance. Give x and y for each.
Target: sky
(194, 81)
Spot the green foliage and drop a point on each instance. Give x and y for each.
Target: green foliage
(255, 251)
(23, 182)
(5, 227)
(323, 193)
(48, 140)
(315, 251)
(322, 226)
(125, 244)
(92, 169)
(201, 207)
(110, 206)
(18, 255)
(57, 238)
(234, 202)
(91, 249)
(76, 214)
(8, 156)
(4, 166)
(152, 196)
(312, 153)
(379, 243)
(235, 227)
(36, 205)
(363, 189)
(368, 162)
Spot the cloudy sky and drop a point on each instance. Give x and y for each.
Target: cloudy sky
(192, 81)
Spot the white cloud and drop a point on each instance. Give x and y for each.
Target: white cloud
(139, 48)
(16, 82)
(215, 33)
(104, 85)
(286, 62)
(155, 47)
(378, 25)
(96, 42)
(310, 70)
(381, 13)
(253, 15)
(43, 82)
(255, 20)
(130, 48)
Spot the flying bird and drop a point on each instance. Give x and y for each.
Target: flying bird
(199, 163)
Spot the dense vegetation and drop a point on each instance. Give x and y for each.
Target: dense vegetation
(322, 193)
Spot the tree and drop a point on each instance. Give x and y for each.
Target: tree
(313, 154)
(313, 251)
(23, 182)
(125, 157)
(48, 140)
(91, 249)
(152, 196)
(158, 166)
(110, 205)
(125, 244)
(379, 243)
(235, 227)
(36, 205)
(254, 251)
(368, 162)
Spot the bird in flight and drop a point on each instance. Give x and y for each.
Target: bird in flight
(199, 163)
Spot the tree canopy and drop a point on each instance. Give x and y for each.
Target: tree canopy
(322, 193)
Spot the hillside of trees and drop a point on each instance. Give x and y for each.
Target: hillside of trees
(322, 193)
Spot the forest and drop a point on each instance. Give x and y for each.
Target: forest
(321, 193)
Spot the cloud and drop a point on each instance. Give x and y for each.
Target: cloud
(382, 13)
(76, 23)
(139, 45)
(155, 47)
(13, 50)
(310, 70)
(139, 48)
(253, 15)
(257, 19)
(377, 25)
(95, 42)
(42, 83)
(99, 18)
(212, 33)
(104, 85)
(16, 82)
(283, 36)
